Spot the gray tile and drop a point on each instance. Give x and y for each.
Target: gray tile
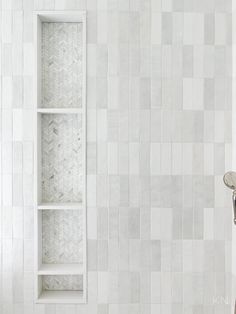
(113, 222)
(145, 195)
(102, 223)
(144, 96)
(102, 308)
(123, 255)
(124, 191)
(145, 287)
(134, 223)
(102, 251)
(145, 223)
(123, 126)
(156, 255)
(187, 61)
(177, 225)
(155, 191)
(92, 255)
(166, 28)
(209, 29)
(178, 5)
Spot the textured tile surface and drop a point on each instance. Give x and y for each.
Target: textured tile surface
(62, 65)
(62, 236)
(61, 150)
(159, 140)
(62, 282)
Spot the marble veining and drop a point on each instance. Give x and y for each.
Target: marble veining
(62, 73)
(61, 146)
(62, 282)
(62, 236)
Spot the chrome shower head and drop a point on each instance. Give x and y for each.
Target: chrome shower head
(230, 181)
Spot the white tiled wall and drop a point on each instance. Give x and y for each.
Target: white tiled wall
(159, 141)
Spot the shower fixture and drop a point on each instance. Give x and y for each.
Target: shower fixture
(230, 181)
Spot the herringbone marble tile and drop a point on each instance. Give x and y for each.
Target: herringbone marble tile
(63, 282)
(62, 236)
(62, 65)
(61, 158)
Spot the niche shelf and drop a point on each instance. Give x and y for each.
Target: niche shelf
(60, 157)
(63, 288)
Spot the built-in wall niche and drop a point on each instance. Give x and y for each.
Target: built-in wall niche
(60, 157)
(62, 288)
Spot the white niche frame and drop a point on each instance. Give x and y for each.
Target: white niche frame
(66, 296)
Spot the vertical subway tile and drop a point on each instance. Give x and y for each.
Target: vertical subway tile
(155, 255)
(145, 195)
(177, 224)
(209, 94)
(124, 126)
(124, 191)
(102, 223)
(178, 5)
(156, 28)
(134, 223)
(198, 28)
(166, 28)
(134, 191)
(124, 253)
(208, 62)
(167, 61)
(166, 284)
(209, 29)
(155, 191)
(124, 223)
(144, 159)
(92, 254)
(102, 190)
(134, 254)
(178, 27)
(91, 158)
(156, 59)
(112, 92)
(155, 288)
(166, 256)
(145, 287)
(145, 223)
(156, 93)
(113, 251)
(145, 261)
(114, 190)
(113, 223)
(101, 92)
(187, 61)
(102, 287)
(144, 97)
(17, 91)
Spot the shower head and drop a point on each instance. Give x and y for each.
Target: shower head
(230, 180)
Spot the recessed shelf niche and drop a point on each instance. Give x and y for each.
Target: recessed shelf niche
(60, 157)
